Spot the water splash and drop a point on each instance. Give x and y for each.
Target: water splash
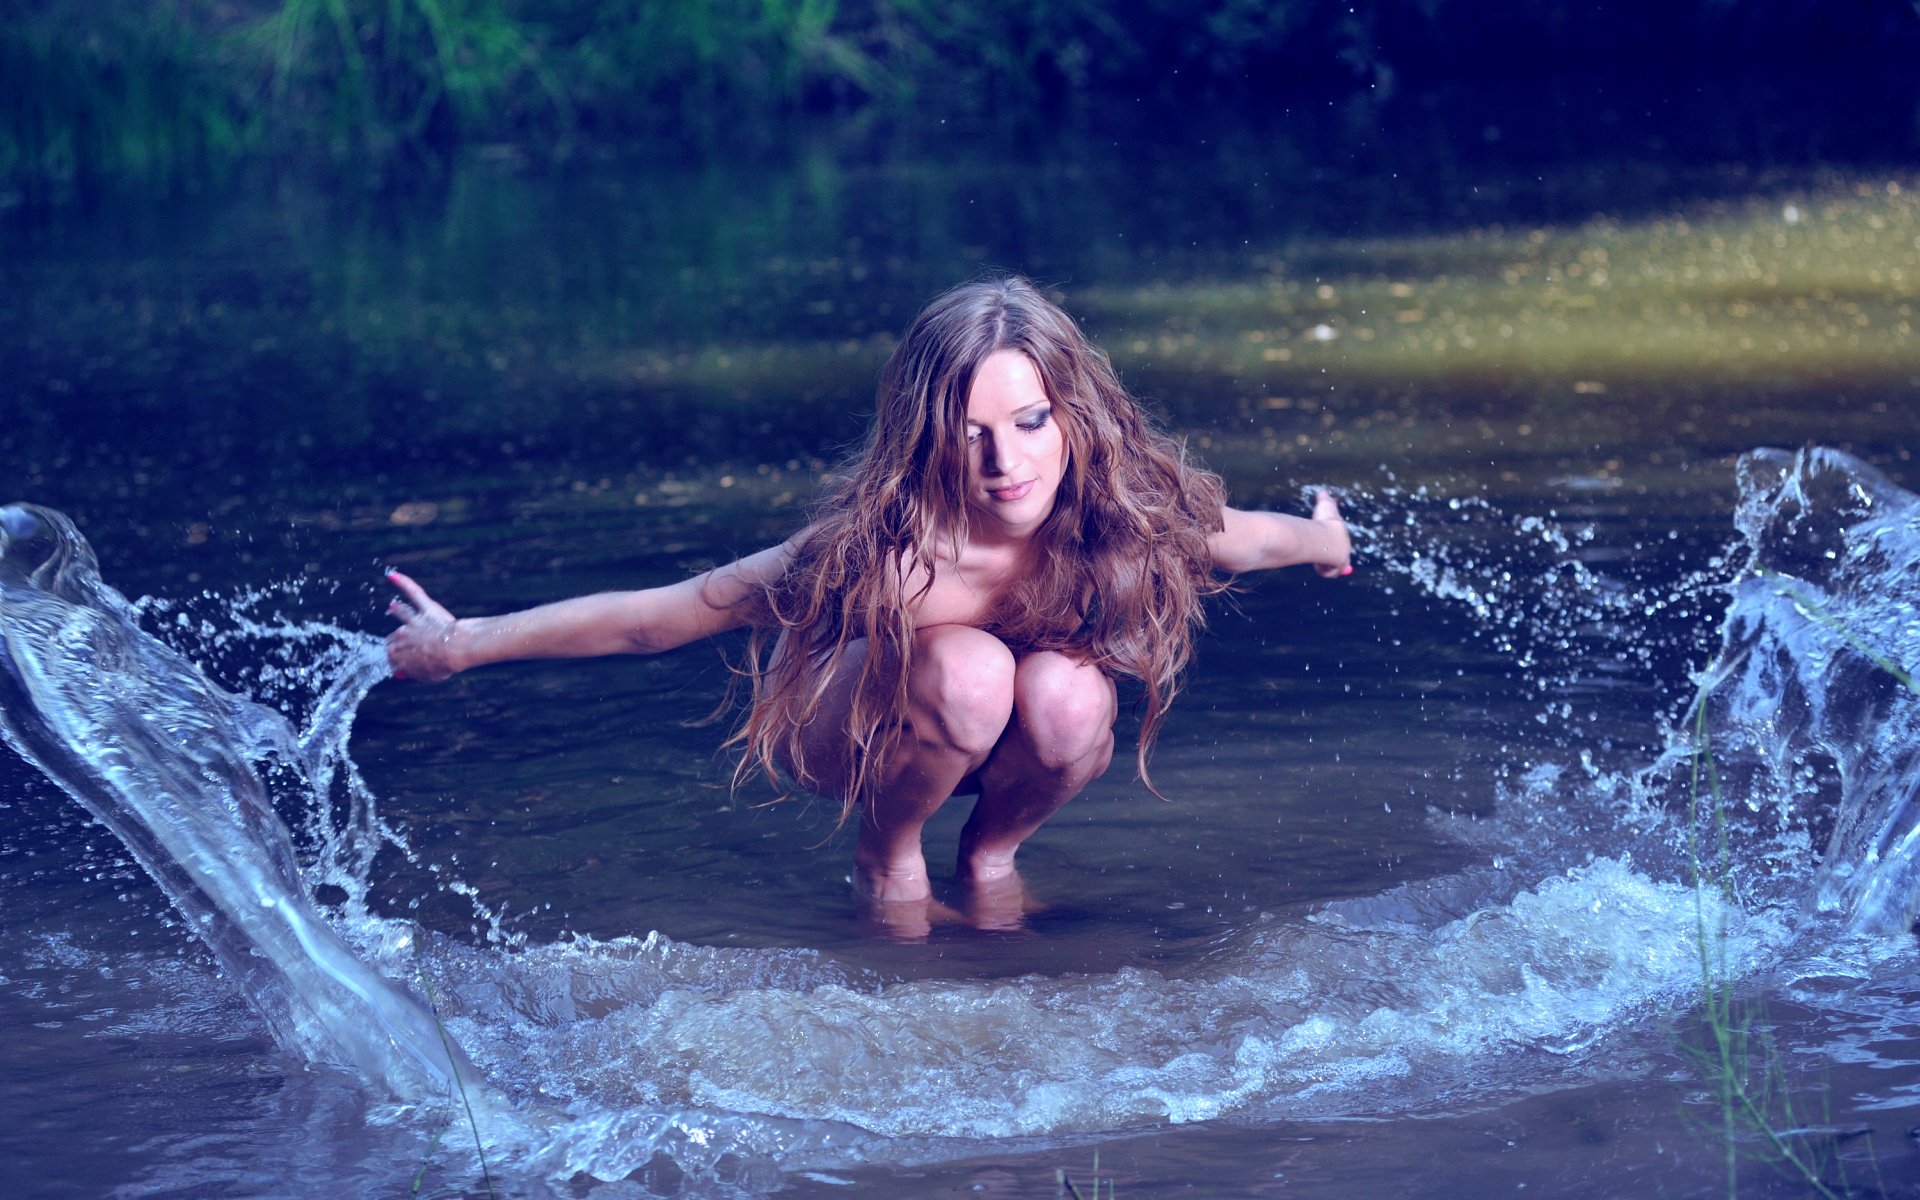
(1811, 705)
(1811, 710)
(315, 674)
(168, 760)
(165, 759)
(715, 1070)
(1295, 1020)
(1540, 590)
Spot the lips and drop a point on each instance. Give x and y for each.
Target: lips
(1007, 495)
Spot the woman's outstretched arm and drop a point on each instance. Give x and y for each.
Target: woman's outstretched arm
(1259, 541)
(432, 643)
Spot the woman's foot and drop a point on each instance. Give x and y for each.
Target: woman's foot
(905, 920)
(982, 865)
(902, 880)
(999, 904)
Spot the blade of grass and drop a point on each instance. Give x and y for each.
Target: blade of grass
(1812, 608)
(460, 1085)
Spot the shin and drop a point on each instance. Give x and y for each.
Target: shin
(1060, 740)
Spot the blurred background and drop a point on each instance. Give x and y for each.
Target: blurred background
(176, 93)
(537, 297)
(383, 263)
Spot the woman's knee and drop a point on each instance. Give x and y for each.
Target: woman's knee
(1066, 709)
(962, 686)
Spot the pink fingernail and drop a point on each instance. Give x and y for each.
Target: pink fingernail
(1346, 571)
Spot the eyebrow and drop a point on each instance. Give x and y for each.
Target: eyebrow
(1036, 406)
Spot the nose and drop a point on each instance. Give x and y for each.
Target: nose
(999, 456)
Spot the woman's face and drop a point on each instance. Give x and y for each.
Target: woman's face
(1016, 452)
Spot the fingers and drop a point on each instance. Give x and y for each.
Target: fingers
(416, 603)
(409, 656)
(416, 594)
(418, 649)
(1326, 508)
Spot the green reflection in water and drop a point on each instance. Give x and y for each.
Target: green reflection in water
(537, 342)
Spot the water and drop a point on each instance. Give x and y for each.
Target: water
(648, 1055)
(1421, 907)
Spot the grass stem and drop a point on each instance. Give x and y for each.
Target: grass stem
(460, 1085)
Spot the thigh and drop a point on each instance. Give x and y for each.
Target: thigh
(960, 687)
(822, 742)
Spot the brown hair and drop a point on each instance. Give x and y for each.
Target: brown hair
(1122, 561)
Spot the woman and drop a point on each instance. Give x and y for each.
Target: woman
(1014, 536)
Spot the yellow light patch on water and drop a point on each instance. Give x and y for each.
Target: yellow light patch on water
(1818, 286)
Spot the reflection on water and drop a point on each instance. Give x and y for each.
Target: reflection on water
(678, 317)
(542, 387)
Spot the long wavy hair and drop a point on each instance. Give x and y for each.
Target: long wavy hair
(1118, 575)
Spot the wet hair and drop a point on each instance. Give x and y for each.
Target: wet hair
(1117, 577)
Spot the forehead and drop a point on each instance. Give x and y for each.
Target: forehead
(1005, 384)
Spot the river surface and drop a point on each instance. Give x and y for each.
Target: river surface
(1423, 912)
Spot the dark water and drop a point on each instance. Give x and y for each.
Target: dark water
(1529, 381)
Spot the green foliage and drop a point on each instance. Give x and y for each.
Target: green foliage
(95, 90)
(635, 62)
(1812, 608)
(146, 89)
(1069, 1188)
(120, 88)
(382, 76)
(466, 1103)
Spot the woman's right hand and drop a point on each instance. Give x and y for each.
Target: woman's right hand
(423, 647)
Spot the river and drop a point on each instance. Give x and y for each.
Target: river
(1420, 914)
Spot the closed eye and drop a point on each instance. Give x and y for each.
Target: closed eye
(1036, 421)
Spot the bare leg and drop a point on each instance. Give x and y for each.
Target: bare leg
(1060, 740)
(960, 698)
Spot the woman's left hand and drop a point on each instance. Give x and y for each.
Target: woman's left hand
(1326, 511)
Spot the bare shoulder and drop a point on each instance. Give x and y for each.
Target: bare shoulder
(773, 562)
